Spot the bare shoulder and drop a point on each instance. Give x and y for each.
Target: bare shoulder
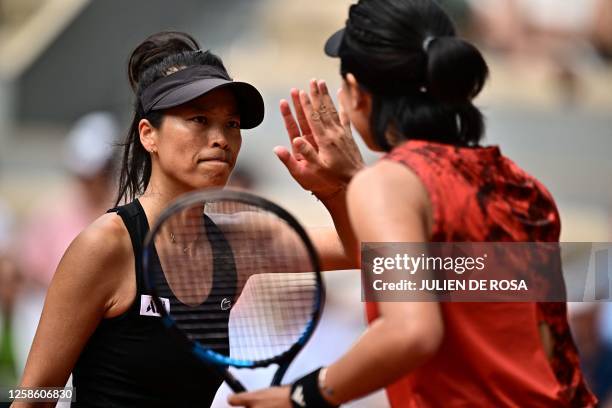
(97, 251)
(106, 236)
(94, 274)
(388, 202)
(388, 180)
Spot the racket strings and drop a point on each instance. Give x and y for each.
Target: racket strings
(239, 279)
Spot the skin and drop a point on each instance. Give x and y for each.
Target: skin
(196, 146)
(385, 203)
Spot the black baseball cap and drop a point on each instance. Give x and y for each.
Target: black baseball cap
(334, 43)
(192, 82)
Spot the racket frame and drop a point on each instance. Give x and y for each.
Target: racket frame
(220, 362)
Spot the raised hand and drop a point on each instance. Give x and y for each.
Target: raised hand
(324, 156)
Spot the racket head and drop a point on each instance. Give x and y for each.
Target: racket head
(222, 246)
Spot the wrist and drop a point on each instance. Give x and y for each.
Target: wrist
(356, 169)
(331, 196)
(307, 392)
(326, 391)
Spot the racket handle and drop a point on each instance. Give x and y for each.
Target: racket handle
(233, 383)
(279, 374)
(223, 370)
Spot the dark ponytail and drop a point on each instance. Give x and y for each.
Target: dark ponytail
(154, 50)
(157, 56)
(422, 77)
(456, 70)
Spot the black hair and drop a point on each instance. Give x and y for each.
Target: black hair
(422, 77)
(157, 56)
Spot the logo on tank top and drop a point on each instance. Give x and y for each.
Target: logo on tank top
(149, 308)
(226, 304)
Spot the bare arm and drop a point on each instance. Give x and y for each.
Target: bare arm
(82, 292)
(338, 245)
(387, 203)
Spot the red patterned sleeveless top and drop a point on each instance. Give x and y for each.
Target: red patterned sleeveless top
(492, 354)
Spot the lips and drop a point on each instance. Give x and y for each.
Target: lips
(225, 158)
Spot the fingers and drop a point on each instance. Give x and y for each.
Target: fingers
(312, 116)
(314, 94)
(344, 118)
(327, 108)
(301, 118)
(317, 109)
(306, 150)
(288, 160)
(290, 124)
(319, 105)
(299, 112)
(239, 400)
(282, 153)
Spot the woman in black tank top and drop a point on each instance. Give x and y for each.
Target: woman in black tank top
(98, 322)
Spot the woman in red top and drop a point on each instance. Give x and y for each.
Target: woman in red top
(408, 87)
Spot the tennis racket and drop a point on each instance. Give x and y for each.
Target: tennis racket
(235, 279)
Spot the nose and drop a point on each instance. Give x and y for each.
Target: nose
(218, 139)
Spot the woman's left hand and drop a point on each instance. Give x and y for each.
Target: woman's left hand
(275, 397)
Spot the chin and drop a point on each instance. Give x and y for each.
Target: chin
(208, 176)
(211, 184)
(217, 180)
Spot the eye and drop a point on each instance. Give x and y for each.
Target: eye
(199, 119)
(233, 124)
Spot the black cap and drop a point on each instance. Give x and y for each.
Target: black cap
(333, 44)
(192, 82)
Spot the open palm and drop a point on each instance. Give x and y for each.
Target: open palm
(324, 155)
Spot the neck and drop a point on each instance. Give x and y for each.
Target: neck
(160, 192)
(155, 201)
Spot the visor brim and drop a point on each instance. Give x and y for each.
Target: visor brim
(250, 101)
(333, 43)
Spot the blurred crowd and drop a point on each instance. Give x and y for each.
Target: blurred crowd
(552, 36)
(541, 28)
(30, 254)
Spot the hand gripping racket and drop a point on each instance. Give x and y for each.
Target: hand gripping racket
(236, 279)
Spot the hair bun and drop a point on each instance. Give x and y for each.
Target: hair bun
(456, 70)
(154, 49)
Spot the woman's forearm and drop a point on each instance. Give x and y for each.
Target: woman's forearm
(403, 336)
(336, 205)
(386, 352)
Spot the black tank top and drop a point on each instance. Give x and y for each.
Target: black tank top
(131, 360)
